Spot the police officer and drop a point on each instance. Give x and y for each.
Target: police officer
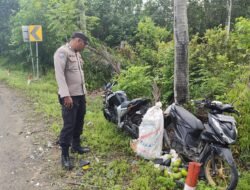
(71, 84)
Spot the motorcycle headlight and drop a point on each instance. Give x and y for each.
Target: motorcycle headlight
(219, 130)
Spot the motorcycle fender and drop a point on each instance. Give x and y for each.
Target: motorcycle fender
(226, 153)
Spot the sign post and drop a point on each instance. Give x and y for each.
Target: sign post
(35, 35)
(37, 65)
(25, 30)
(32, 60)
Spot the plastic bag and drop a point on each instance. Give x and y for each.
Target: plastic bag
(149, 143)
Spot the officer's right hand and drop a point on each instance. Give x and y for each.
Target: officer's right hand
(68, 102)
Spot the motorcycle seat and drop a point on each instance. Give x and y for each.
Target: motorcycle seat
(189, 118)
(132, 102)
(125, 104)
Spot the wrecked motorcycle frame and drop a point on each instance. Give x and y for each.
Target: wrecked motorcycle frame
(206, 143)
(123, 112)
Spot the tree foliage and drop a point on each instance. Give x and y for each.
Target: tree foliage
(215, 64)
(62, 19)
(118, 19)
(136, 81)
(154, 50)
(7, 9)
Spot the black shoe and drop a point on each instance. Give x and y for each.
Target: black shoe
(80, 150)
(66, 163)
(83, 163)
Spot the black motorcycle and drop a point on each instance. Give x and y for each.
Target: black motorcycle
(119, 110)
(206, 143)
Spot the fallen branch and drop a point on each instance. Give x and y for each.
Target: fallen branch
(108, 57)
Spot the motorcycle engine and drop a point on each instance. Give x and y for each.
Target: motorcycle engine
(136, 119)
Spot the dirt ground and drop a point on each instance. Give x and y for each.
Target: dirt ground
(29, 157)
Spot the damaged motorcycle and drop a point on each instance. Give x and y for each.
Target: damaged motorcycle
(206, 143)
(127, 114)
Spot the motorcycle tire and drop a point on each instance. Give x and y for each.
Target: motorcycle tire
(110, 116)
(106, 116)
(225, 176)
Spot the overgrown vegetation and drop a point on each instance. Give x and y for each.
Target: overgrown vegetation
(146, 26)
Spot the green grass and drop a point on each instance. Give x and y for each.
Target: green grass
(244, 182)
(114, 166)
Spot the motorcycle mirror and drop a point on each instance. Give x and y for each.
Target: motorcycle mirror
(114, 83)
(108, 85)
(237, 112)
(216, 102)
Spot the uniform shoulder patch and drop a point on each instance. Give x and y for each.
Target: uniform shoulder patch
(62, 55)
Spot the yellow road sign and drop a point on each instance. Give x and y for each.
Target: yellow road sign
(35, 33)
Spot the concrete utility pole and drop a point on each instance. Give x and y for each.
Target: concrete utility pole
(181, 38)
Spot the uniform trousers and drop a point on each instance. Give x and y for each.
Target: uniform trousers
(73, 121)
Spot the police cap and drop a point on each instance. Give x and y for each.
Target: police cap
(81, 36)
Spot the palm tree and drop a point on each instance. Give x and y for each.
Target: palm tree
(181, 92)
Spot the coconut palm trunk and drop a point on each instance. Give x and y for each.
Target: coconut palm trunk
(181, 71)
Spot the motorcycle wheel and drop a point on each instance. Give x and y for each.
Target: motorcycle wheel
(110, 115)
(225, 176)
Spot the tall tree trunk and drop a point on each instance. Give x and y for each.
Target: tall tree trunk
(181, 71)
(229, 6)
(82, 16)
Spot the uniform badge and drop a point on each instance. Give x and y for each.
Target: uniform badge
(61, 55)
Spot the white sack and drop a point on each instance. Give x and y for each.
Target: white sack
(149, 143)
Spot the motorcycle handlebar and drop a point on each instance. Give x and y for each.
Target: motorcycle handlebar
(236, 112)
(204, 103)
(216, 105)
(109, 85)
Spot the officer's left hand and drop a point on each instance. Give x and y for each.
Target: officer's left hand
(68, 102)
